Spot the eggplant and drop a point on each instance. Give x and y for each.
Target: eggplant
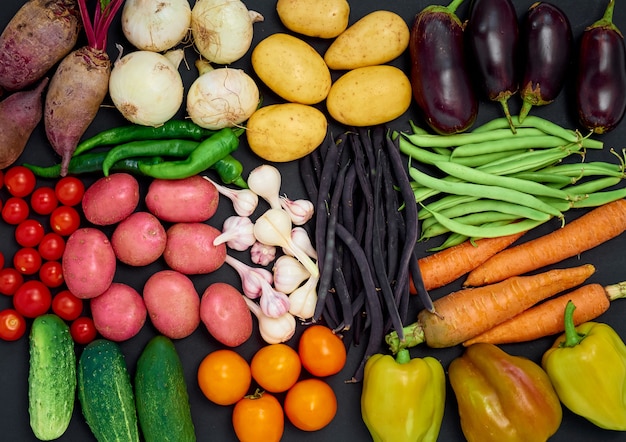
(547, 50)
(492, 33)
(601, 76)
(440, 79)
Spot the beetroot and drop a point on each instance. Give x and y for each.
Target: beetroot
(20, 113)
(40, 34)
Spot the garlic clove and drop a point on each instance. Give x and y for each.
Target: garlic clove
(237, 233)
(273, 330)
(262, 254)
(272, 302)
(303, 300)
(265, 180)
(289, 274)
(301, 239)
(244, 201)
(300, 211)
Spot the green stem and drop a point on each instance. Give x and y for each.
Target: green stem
(572, 337)
(413, 335)
(403, 356)
(453, 6)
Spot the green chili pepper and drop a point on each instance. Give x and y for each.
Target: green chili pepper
(229, 170)
(203, 157)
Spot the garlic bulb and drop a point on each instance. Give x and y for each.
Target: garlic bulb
(289, 273)
(273, 330)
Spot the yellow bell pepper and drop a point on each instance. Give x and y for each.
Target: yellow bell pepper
(403, 399)
(587, 366)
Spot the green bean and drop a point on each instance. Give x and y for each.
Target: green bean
(482, 160)
(422, 155)
(443, 203)
(473, 219)
(592, 186)
(544, 177)
(452, 240)
(587, 169)
(585, 190)
(509, 144)
(470, 138)
(546, 126)
(530, 160)
(597, 199)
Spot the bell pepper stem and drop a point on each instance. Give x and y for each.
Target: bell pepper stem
(403, 356)
(572, 337)
(413, 335)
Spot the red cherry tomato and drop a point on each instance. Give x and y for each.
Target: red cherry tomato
(51, 247)
(27, 261)
(51, 274)
(10, 280)
(64, 220)
(67, 306)
(12, 325)
(83, 330)
(32, 299)
(1, 260)
(69, 190)
(15, 210)
(20, 181)
(43, 200)
(29, 233)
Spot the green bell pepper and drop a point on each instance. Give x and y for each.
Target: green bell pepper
(587, 366)
(403, 399)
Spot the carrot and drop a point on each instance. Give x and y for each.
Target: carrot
(466, 313)
(546, 319)
(590, 230)
(443, 267)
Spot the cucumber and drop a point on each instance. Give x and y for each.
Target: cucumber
(161, 394)
(106, 394)
(51, 377)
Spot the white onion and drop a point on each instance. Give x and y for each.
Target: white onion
(222, 29)
(146, 87)
(156, 25)
(222, 97)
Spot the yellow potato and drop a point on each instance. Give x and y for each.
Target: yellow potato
(377, 38)
(286, 131)
(370, 95)
(314, 18)
(291, 68)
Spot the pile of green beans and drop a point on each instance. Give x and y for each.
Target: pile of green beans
(494, 182)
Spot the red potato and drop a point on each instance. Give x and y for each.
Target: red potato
(118, 313)
(111, 199)
(190, 200)
(88, 263)
(139, 239)
(173, 303)
(190, 250)
(19, 115)
(40, 34)
(225, 314)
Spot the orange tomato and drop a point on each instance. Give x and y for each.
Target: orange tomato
(310, 404)
(224, 377)
(322, 352)
(258, 417)
(276, 367)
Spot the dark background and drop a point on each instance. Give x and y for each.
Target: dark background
(212, 422)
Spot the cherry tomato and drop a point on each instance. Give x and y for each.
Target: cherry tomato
(276, 367)
(258, 417)
(15, 210)
(64, 220)
(83, 330)
(10, 280)
(224, 377)
(12, 325)
(32, 299)
(29, 233)
(43, 200)
(20, 181)
(322, 352)
(51, 274)
(310, 404)
(69, 190)
(67, 306)
(1, 260)
(27, 261)
(51, 247)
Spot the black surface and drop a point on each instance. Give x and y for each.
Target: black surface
(213, 422)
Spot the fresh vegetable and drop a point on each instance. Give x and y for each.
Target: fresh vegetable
(51, 377)
(190, 250)
(43, 200)
(547, 50)
(225, 315)
(288, 273)
(237, 233)
(224, 377)
(191, 199)
(222, 30)
(139, 239)
(601, 75)
(67, 306)
(161, 395)
(15, 210)
(251, 277)
(403, 399)
(38, 36)
(19, 113)
(83, 330)
(265, 181)
(291, 68)
(146, 86)
(503, 397)
(369, 95)
(312, 18)
(448, 325)
(32, 298)
(272, 330)
(119, 313)
(258, 416)
(321, 351)
(51, 246)
(587, 366)
(27, 261)
(376, 38)
(111, 199)
(12, 325)
(69, 191)
(88, 263)
(10, 281)
(276, 367)
(174, 316)
(29, 233)
(310, 404)
(589, 229)
(19, 181)
(105, 392)
(64, 220)
(493, 35)
(79, 84)
(439, 75)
